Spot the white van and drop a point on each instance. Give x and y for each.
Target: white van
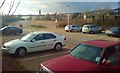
(91, 28)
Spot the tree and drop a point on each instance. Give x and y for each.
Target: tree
(2, 4)
(12, 4)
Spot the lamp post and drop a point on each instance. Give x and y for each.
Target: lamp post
(68, 14)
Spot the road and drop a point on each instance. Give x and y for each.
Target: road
(31, 61)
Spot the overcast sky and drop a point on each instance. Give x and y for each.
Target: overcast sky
(51, 6)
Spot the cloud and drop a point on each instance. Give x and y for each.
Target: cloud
(43, 6)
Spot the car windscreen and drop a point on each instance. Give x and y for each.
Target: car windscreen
(27, 37)
(114, 29)
(87, 52)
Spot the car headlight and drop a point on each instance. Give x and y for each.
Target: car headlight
(44, 69)
(6, 46)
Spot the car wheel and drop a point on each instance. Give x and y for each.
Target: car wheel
(91, 32)
(84, 32)
(21, 52)
(17, 33)
(71, 30)
(66, 30)
(58, 46)
(80, 30)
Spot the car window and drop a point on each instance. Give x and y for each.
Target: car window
(77, 26)
(113, 29)
(73, 26)
(86, 26)
(118, 29)
(49, 36)
(87, 52)
(14, 28)
(38, 37)
(115, 58)
(91, 26)
(7, 29)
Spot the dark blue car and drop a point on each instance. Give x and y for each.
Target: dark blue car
(9, 30)
(114, 31)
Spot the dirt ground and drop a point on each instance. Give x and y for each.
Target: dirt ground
(10, 63)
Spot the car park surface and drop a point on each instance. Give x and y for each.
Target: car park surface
(95, 55)
(31, 61)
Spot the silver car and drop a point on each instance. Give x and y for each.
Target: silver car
(73, 27)
(91, 28)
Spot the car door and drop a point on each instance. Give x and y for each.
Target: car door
(8, 30)
(95, 28)
(118, 31)
(50, 40)
(77, 27)
(13, 30)
(114, 62)
(37, 43)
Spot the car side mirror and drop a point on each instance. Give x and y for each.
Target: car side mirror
(33, 40)
(107, 62)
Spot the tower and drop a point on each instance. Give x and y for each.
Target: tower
(39, 12)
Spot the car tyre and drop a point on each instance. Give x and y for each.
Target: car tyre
(91, 32)
(66, 30)
(71, 30)
(17, 33)
(84, 32)
(58, 47)
(20, 52)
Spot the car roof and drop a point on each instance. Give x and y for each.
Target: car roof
(90, 25)
(115, 27)
(101, 43)
(38, 32)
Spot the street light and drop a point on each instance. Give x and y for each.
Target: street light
(68, 14)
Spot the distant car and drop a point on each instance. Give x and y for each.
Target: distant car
(35, 41)
(73, 27)
(8, 30)
(114, 31)
(91, 28)
(95, 55)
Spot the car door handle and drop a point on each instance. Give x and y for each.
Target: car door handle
(55, 40)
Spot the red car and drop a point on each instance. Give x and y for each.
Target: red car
(95, 55)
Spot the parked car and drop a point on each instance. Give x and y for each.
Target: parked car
(91, 28)
(95, 55)
(34, 41)
(8, 30)
(114, 31)
(73, 27)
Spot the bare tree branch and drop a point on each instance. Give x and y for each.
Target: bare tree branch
(11, 6)
(2, 4)
(16, 7)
